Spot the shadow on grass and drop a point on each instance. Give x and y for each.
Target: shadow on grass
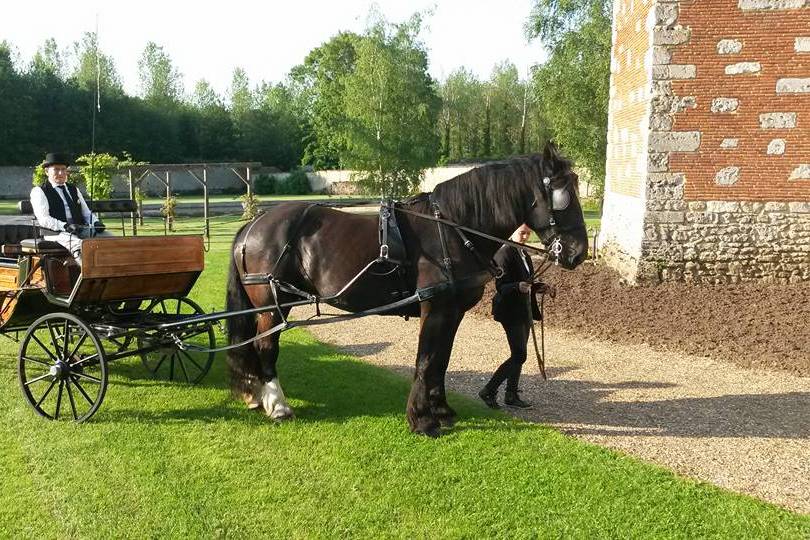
(320, 385)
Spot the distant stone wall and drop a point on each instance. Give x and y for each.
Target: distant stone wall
(15, 182)
(709, 142)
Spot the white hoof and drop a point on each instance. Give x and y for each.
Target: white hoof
(273, 400)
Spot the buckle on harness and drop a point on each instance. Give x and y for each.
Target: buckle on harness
(384, 251)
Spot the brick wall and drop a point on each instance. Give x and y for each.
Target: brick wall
(726, 187)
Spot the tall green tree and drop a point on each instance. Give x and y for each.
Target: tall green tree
(49, 60)
(391, 109)
(214, 128)
(506, 109)
(573, 86)
(92, 65)
(160, 82)
(318, 87)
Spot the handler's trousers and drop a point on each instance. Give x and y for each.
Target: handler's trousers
(517, 335)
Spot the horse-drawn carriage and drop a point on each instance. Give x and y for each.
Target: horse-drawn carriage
(128, 298)
(428, 256)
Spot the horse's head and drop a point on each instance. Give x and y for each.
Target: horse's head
(555, 214)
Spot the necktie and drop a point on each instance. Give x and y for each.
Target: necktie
(525, 258)
(74, 211)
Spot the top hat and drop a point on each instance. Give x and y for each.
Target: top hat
(56, 158)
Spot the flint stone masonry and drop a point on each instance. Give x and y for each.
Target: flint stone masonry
(777, 120)
(729, 46)
(728, 144)
(674, 71)
(802, 172)
(674, 141)
(728, 176)
(741, 68)
(670, 36)
(802, 45)
(725, 105)
(776, 147)
(751, 5)
(793, 86)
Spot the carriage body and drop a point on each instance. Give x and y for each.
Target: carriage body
(72, 321)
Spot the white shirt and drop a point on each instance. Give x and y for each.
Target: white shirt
(42, 211)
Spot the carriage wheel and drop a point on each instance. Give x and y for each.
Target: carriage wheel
(171, 363)
(62, 368)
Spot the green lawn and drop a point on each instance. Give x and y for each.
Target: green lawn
(168, 460)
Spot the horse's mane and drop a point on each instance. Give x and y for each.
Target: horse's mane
(495, 195)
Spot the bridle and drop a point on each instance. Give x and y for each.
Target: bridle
(556, 200)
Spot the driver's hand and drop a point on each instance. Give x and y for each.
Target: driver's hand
(525, 287)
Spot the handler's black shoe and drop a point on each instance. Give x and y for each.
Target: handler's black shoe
(512, 399)
(489, 397)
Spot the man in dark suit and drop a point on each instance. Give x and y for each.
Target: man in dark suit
(60, 207)
(510, 307)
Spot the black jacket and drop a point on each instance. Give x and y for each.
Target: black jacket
(509, 304)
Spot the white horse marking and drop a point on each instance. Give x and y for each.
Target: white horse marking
(274, 402)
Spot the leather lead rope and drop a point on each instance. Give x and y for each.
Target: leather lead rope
(490, 265)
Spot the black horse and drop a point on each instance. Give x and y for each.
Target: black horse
(319, 250)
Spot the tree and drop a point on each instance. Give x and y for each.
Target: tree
(506, 107)
(572, 87)
(48, 60)
(318, 90)
(161, 83)
(92, 66)
(391, 109)
(215, 132)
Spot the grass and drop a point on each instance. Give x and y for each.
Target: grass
(169, 460)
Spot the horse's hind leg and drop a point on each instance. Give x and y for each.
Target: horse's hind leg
(268, 392)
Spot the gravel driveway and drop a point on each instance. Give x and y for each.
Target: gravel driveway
(742, 429)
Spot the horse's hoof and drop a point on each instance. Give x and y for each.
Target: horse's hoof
(432, 432)
(429, 429)
(447, 422)
(282, 414)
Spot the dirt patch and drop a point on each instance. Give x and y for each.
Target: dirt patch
(752, 324)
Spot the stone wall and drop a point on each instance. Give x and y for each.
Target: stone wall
(15, 182)
(726, 187)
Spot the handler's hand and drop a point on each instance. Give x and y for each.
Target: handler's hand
(71, 228)
(525, 287)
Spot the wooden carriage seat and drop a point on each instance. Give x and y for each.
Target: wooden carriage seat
(138, 267)
(13, 230)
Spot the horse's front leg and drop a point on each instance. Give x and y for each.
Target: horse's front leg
(269, 395)
(443, 412)
(427, 405)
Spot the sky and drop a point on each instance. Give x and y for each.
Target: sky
(267, 38)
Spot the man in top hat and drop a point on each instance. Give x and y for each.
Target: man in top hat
(60, 207)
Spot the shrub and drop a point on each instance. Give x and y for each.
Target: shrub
(265, 184)
(296, 183)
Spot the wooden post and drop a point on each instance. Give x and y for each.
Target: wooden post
(133, 215)
(205, 203)
(169, 219)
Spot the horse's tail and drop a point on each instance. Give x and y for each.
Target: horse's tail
(242, 360)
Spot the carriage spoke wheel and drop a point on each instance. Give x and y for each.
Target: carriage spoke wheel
(169, 362)
(62, 368)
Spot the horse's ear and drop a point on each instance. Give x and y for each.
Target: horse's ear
(550, 151)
